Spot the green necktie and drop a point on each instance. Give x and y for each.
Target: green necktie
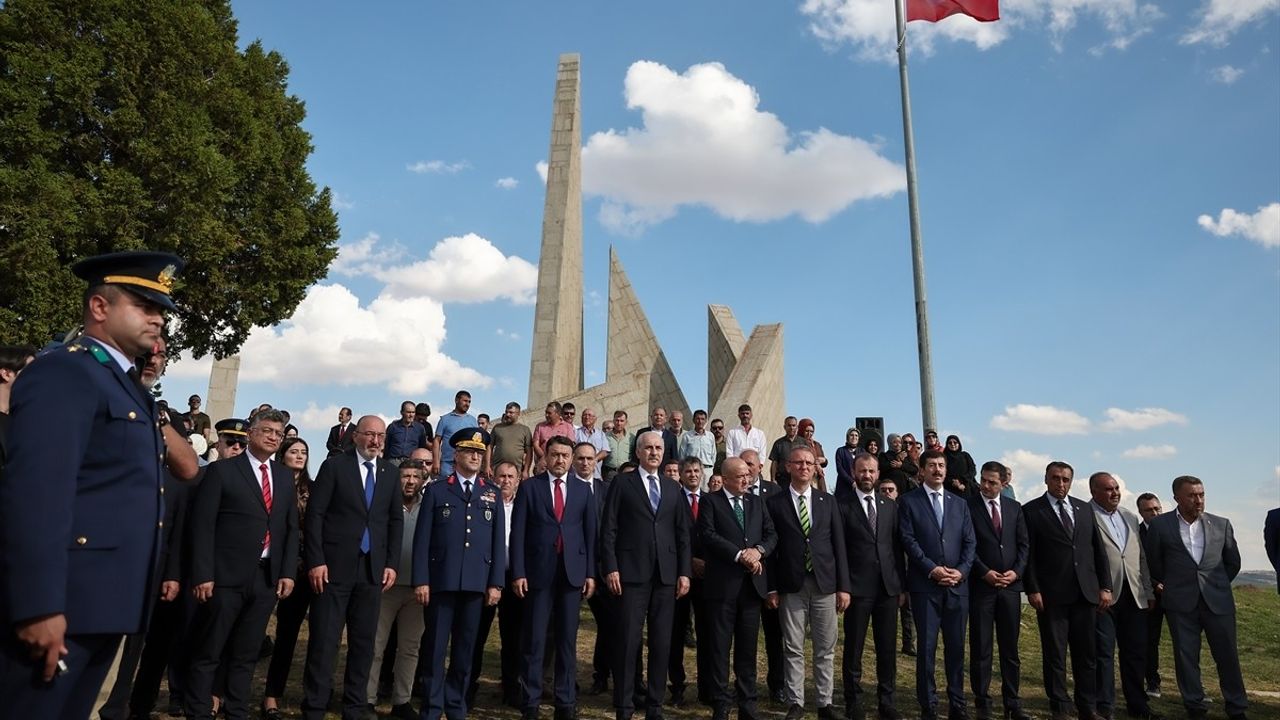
(805, 526)
(739, 514)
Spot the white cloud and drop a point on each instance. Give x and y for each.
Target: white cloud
(437, 167)
(1262, 227)
(333, 340)
(869, 25)
(507, 183)
(1220, 19)
(1028, 472)
(1140, 419)
(364, 256)
(1151, 452)
(342, 202)
(542, 167)
(468, 268)
(705, 141)
(507, 334)
(1227, 74)
(1040, 420)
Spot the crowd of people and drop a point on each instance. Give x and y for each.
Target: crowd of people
(184, 536)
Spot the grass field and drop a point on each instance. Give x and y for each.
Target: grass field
(1258, 620)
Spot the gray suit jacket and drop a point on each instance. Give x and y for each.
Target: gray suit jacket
(1186, 581)
(1128, 564)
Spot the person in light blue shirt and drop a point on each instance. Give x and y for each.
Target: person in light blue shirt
(446, 426)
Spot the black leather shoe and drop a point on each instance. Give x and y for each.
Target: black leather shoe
(1147, 714)
(957, 712)
(928, 714)
(598, 687)
(404, 712)
(827, 712)
(676, 699)
(909, 650)
(270, 714)
(795, 712)
(1016, 714)
(564, 713)
(778, 696)
(889, 713)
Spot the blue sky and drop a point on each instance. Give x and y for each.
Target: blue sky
(1100, 198)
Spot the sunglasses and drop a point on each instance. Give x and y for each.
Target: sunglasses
(236, 441)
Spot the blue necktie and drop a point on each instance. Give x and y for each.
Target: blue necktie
(937, 506)
(655, 496)
(368, 502)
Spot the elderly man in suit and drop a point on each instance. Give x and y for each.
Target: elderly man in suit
(244, 551)
(1068, 582)
(1193, 558)
(808, 580)
(995, 592)
(553, 535)
(737, 535)
(352, 534)
(937, 536)
(1124, 622)
(645, 557)
(874, 551)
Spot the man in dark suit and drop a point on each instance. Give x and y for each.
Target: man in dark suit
(1193, 558)
(244, 551)
(1271, 540)
(352, 536)
(459, 565)
(769, 621)
(603, 605)
(1067, 582)
(645, 556)
(808, 581)
(995, 592)
(690, 608)
(80, 496)
(1123, 625)
(937, 536)
(874, 550)
(553, 538)
(342, 437)
(1148, 508)
(737, 534)
(670, 443)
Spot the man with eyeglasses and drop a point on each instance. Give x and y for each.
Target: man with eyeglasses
(352, 534)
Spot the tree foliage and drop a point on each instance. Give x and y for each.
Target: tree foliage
(140, 124)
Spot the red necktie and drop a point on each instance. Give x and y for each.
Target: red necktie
(266, 500)
(693, 504)
(995, 516)
(559, 510)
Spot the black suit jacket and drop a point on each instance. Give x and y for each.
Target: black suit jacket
(825, 542)
(876, 562)
(176, 554)
(337, 517)
(229, 519)
(1009, 551)
(1064, 568)
(722, 539)
(633, 539)
(339, 443)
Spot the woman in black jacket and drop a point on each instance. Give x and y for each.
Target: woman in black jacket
(961, 472)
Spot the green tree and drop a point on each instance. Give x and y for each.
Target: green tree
(140, 124)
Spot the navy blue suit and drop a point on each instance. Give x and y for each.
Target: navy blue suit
(935, 607)
(80, 517)
(458, 553)
(556, 557)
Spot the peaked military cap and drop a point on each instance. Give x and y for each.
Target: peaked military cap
(146, 274)
(469, 439)
(232, 426)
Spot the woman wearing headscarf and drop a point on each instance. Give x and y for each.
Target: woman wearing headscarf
(845, 455)
(961, 472)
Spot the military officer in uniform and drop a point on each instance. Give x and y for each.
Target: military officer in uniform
(233, 435)
(459, 565)
(81, 508)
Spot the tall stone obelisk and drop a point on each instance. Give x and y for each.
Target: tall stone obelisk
(555, 366)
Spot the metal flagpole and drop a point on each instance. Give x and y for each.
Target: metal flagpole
(927, 411)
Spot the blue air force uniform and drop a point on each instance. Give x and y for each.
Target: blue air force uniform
(81, 504)
(459, 552)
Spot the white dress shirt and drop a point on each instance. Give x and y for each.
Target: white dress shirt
(808, 501)
(1192, 536)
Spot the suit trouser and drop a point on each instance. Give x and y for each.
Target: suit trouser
(1155, 624)
(603, 606)
(125, 666)
(453, 619)
(771, 624)
(510, 614)
(229, 629)
(690, 604)
(169, 624)
(653, 603)
(353, 604)
(557, 607)
(71, 695)
(1185, 629)
(994, 615)
(1123, 624)
(882, 612)
(398, 607)
(733, 620)
(1062, 626)
(946, 611)
(815, 610)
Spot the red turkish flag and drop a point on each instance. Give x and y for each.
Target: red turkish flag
(935, 10)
